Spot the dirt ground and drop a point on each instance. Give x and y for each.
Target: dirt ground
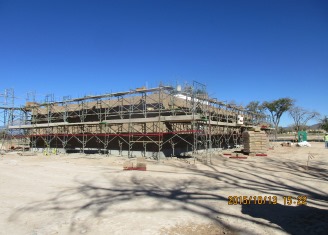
(91, 194)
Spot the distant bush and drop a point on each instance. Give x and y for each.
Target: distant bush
(315, 131)
(2, 134)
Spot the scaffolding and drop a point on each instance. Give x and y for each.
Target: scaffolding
(11, 116)
(152, 122)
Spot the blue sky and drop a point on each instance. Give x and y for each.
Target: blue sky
(242, 50)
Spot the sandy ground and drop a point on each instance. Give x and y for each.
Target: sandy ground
(91, 194)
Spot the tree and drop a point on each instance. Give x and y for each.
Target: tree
(2, 133)
(301, 116)
(277, 108)
(255, 107)
(324, 123)
(281, 130)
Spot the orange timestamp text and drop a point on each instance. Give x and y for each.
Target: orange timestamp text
(263, 200)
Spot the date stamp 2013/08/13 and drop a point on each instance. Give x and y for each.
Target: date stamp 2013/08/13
(264, 200)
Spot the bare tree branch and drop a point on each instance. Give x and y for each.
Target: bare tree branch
(301, 116)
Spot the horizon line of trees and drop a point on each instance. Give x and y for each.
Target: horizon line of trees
(276, 108)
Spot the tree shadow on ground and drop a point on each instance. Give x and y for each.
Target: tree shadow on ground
(288, 177)
(186, 195)
(198, 195)
(298, 220)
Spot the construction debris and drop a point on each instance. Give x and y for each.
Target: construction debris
(140, 165)
(286, 144)
(238, 156)
(27, 154)
(303, 144)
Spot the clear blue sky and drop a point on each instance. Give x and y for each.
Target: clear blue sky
(242, 50)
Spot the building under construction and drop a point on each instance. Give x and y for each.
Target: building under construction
(152, 122)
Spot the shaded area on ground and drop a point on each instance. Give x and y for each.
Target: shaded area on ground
(201, 190)
(298, 220)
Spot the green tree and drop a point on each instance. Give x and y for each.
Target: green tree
(324, 123)
(277, 108)
(256, 110)
(255, 107)
(2, 134)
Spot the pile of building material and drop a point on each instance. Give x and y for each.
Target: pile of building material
(286, 144)
(303, 144)
(255, 141)
(139, 165)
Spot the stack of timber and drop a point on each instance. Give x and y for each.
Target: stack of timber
(255, 141)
